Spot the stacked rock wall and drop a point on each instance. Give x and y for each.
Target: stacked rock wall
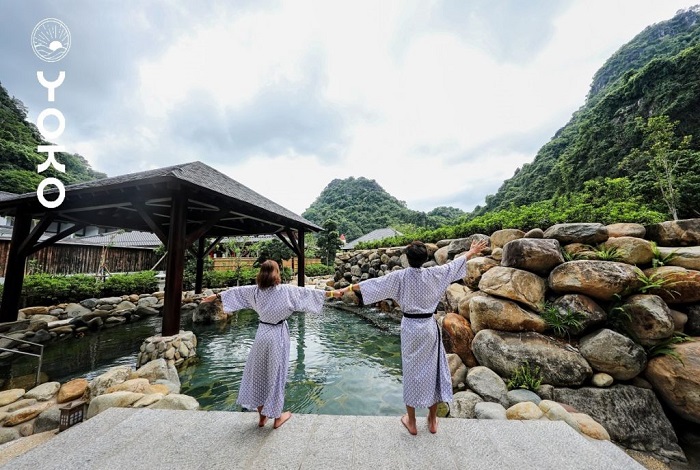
(588, 305)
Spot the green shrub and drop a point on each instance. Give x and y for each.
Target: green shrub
(136, 283)
(665, 347)
(562, 321)
(659, 259)
(44, 289)
(607, 254)
(526, 377)
(318, 270)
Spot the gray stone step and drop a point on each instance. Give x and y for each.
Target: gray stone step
(128, 439)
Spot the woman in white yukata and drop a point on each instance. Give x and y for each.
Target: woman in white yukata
(265, 372)
(426, 376)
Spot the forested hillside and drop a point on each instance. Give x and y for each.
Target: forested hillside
(360, 205)
(654, 75)
(19, 157)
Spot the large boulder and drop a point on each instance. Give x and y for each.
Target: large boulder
(598, 279)
(650, 319)
(531, 254)
(44, 392)
(625, 229)
(454, 295)
(458, 371)
(685, 257)
(577, 233)
(682, 285)
(515, 284)
(692, 327)
(632, 416)
(112, 400)
(463, 404)
(631, 250)
(677, 381)
(590, 313)
(488, 385)
(476, 267)
(176, 402)
(615, 354)
(461, 245)
(675, 233)
(499, 238)
(457, 337)
(113, 376)
(209, 312)
(503, 352)
(491, 313)
(442, 255)
(72, 390)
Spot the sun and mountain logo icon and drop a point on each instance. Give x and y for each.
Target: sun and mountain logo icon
(51, 40)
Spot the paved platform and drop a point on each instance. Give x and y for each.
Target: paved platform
(128, 439)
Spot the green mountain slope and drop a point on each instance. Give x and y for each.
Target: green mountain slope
(360, 205)
(657, 73)
(19, 157)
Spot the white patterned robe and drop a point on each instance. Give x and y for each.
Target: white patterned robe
(265, 372)
(426, 375)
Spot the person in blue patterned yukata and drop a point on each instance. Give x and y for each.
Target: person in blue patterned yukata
(426, 376)
(265, 371)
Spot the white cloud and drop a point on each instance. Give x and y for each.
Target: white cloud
(432, 99)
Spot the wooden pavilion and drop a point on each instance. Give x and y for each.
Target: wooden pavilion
(182, 204)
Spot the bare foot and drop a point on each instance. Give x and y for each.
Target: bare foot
(433, 424)
(262, 421)
(411, 427)
(282, 419)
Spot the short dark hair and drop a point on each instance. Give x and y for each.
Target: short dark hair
(269, 274)
(417, 254)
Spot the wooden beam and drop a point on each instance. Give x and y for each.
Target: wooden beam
(209, 223)
(36, 233)
(285, 241)
(172, 301)
(293, 240)
(213, 245)
(14, 272)
(155, 228)
(59, 236)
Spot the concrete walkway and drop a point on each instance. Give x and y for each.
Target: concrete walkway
(128, 439)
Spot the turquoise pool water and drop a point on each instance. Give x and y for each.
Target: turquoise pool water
(340, 363)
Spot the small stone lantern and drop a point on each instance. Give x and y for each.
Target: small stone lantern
(72, 413)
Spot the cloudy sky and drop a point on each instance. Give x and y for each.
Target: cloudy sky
(439, 101)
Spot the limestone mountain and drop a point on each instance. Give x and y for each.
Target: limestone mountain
(360, 205)
(655, 74)
(19, 158)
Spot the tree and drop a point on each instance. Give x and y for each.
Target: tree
(272, 249)
(329, 242)
(662, 152)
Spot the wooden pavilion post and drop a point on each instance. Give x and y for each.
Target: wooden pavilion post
(14, 272)
(172, 302)
(200, 266)
(302, 262)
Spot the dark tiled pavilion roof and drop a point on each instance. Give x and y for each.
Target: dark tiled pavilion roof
(120, 201)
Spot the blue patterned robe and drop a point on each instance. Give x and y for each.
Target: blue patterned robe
(426, 375)
(265, 372)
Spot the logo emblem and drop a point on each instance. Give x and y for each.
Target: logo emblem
(51, 40)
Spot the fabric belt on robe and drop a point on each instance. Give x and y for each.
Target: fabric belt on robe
(278, 323)
(417, 315)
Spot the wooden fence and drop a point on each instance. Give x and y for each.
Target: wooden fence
(230, 264)
(83, 259)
